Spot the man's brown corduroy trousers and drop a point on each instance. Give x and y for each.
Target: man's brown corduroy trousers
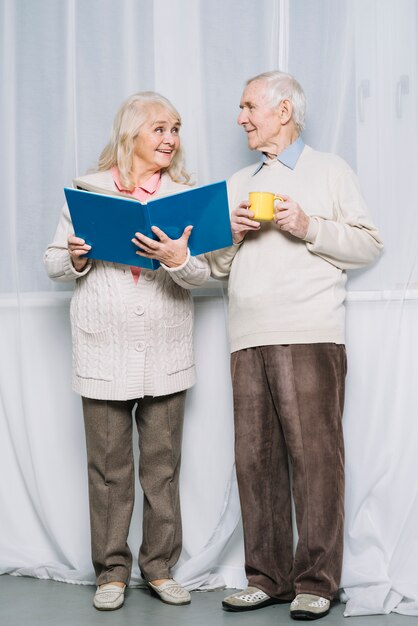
(288, 404)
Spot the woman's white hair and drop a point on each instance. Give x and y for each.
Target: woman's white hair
(132, 114)
(281, 86)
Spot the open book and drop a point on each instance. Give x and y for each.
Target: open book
(108, 220)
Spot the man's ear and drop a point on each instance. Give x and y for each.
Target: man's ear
(285, 111)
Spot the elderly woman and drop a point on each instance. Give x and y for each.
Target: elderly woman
(133, 356)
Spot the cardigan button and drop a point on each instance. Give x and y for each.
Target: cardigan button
(149, 275)
(140, 346)
(139, 309)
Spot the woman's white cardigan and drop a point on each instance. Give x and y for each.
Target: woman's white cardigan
(129, 340)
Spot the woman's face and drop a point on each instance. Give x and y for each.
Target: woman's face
(157, 140)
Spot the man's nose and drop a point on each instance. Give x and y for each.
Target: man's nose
(242, 118)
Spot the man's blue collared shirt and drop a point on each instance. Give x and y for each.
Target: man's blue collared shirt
(289, 157)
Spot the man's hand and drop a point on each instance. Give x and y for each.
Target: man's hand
(76, 248)
(241, 222)
(171, 252)
(289, 217)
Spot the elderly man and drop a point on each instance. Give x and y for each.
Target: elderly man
(286, 315)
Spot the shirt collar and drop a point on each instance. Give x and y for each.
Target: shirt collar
(289, 157)
(150, 185)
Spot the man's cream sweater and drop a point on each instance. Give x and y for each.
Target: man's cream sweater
(284, 290)
(129, 340)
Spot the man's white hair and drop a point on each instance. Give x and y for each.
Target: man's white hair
(281, 86)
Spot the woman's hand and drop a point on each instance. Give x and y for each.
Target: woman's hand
(171, 252)
(77, 247)
(289, 217)
(241, 222)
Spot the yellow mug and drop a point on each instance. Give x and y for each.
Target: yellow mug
(262, 205)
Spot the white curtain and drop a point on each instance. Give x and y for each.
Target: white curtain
(67, 66)
(358, 62)
(64, 68)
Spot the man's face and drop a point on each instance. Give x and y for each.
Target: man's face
(259, 120)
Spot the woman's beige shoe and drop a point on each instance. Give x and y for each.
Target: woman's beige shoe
(171, 592)
(109, 597)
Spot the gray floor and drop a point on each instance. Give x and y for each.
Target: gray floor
(33, 602)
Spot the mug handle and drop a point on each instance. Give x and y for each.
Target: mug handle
(276, 197)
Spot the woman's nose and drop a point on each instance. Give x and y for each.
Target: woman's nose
(168, 138)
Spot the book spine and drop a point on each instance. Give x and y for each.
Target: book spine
(155, 264)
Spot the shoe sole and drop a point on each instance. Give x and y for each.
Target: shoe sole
(307, 615)
(113, 608)
(259, 605)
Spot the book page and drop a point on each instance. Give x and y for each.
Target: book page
(87, 186)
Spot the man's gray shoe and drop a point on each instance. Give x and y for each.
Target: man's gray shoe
(308, 607)
(247, 600)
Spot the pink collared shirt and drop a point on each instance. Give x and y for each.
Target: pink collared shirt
(147, 189)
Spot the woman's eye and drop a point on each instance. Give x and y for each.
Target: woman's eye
(175, 130)
(160, 129)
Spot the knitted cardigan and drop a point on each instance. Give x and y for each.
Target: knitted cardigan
(129, 340)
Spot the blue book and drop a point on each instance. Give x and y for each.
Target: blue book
(108, 221)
